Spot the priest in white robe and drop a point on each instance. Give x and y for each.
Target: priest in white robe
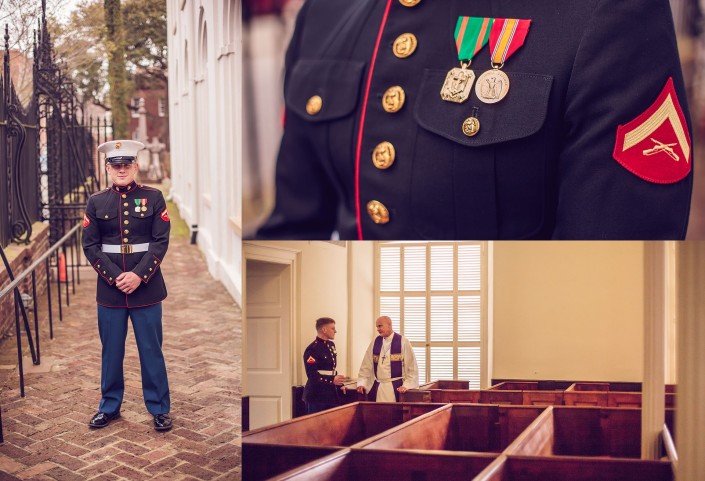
(389, 366)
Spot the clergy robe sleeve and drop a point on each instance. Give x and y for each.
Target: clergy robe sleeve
(366, 376)
(411, 369)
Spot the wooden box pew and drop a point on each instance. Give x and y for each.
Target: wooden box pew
(542, 385)
(531, 394)
(516, 386)
(302, 439)
(571, 431)
(357, 464)
(427, 392)
(458, 427)
(263, 461)
(339, 427)
(570, 468)
(610, 395)
(456, 396)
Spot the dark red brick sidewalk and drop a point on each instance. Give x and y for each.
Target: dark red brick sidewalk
(46, 435)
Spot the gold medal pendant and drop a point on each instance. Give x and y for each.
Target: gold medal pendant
(492, 86)
(144, 209)
(471, 34)
(457, 85)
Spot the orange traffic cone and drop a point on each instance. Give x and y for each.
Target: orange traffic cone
(62, 267)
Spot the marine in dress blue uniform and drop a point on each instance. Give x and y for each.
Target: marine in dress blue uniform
(126, 230)
(578, 148)
(320, 360)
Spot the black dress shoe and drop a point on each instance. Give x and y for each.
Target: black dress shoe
(100, 420)
(162, 422)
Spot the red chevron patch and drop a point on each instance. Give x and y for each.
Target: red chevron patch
(656, 145)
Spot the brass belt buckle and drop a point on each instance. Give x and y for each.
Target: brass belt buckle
(125, 248)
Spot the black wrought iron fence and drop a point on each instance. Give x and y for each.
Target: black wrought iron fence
(29, 296)
(47, 149)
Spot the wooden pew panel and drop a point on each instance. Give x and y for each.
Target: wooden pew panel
(502, 397)
(573, 469)
(537, 439)
(391, 465)
(263, 461)
(513, 420)
(542, 398)
(516, 386)
(429, 432)
(455, 396)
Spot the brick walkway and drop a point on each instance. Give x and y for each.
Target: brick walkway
(46, 435)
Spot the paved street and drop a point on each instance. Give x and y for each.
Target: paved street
(46, 433)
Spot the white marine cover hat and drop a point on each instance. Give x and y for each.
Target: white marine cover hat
(120, 151)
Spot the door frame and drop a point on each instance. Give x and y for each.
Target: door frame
(273, 254)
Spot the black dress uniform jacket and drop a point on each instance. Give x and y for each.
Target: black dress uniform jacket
(320, 355)
(113, 218)
(541, 165)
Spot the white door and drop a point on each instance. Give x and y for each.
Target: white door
(268, 308)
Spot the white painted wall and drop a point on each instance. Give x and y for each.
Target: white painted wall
(205, 95)
(569, 310)
(362, 295)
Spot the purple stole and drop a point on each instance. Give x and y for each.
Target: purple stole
(395, 359)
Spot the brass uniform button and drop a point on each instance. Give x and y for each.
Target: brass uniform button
(106, 216)
(141, 215)
(145, 276)
(124, 196)
(314, 105)
(126, 222)
(125, 204)
(111, 278)
(409, 3)
(98, 267)
(150, 269)
(393, 99)
(404, 45)
(383, 156)
(103, 272)
(378, 212)
(125, 240)
(126, 213)
(471, 126)
(155, 262)
(126, 231)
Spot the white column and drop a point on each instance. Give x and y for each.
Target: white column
(653, 389)
(690, 414)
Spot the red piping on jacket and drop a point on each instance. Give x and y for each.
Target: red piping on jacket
(362, 119)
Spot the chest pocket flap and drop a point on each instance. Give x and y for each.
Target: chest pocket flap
(335, 82)
(142, 214)
(520, 114)
(106, 213)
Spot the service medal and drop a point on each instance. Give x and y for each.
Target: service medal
(137, 205)
(492, 86)
(458, 85)
(471, 34)
(506, 37)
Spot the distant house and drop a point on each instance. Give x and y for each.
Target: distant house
(156, 104)
(20, 73)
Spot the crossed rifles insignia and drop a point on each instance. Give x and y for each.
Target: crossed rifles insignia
(656, 145)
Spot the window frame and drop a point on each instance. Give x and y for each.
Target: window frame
(484, 293)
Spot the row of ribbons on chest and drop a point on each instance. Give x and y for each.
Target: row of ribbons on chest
(505, 36)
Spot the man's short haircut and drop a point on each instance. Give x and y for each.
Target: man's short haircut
(320, 322)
